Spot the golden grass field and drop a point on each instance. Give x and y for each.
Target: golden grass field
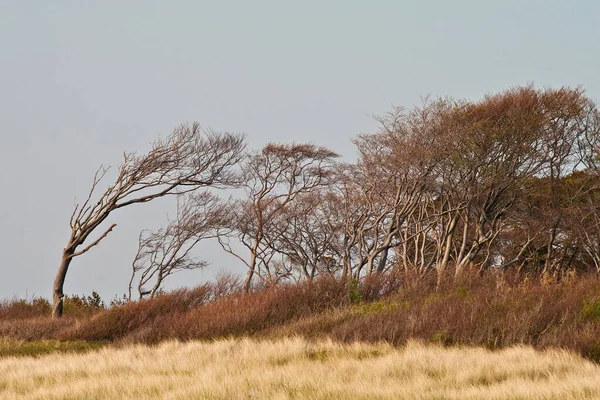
(298, 369)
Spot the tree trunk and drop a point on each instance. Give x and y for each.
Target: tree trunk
(347, 269)
(251, 268)
(248, 280)
(550, 250)
(59, 282)
(441, 268)
(383, 261)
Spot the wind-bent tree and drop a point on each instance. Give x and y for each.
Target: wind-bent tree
(186, 160)
(274, 178)
(388, 187)
(169, 250)
(396, 167)
(462, 185)
(521, 136)
(306, 236)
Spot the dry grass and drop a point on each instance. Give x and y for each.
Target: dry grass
(10, 347)
(295, 368)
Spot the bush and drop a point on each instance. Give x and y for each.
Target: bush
(591, 310)
(490, 310)
(24, 309)
(82, 306)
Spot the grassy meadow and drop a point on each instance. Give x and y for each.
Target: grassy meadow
(299, 369)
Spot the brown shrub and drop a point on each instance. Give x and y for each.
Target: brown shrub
(152, 315)
(188, 314)
(35, 328)
(24, 309)
(477, 311)
(489, 310)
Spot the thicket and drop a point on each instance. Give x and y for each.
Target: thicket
(492, 310)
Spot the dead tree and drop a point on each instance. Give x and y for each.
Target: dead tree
(169, 250)
(186, 160)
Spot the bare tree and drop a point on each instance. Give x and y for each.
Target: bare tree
(169, 250)
(186, 160)
(274, 178)
(304, 234)
(395, 172)
(447, 184)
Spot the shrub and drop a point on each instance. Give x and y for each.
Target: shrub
(591, 310)
(489, 310)
(23, 309)
(354, 294)
(83, 306)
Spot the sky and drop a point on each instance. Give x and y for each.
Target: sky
(81, 82)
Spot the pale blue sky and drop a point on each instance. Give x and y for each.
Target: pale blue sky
(83, 81)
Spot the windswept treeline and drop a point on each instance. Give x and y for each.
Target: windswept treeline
(507, 182)
(510, 181)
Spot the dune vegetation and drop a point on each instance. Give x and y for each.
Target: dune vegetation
(299, 369)
(461, 224)
(383, 338)
(493, 311)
